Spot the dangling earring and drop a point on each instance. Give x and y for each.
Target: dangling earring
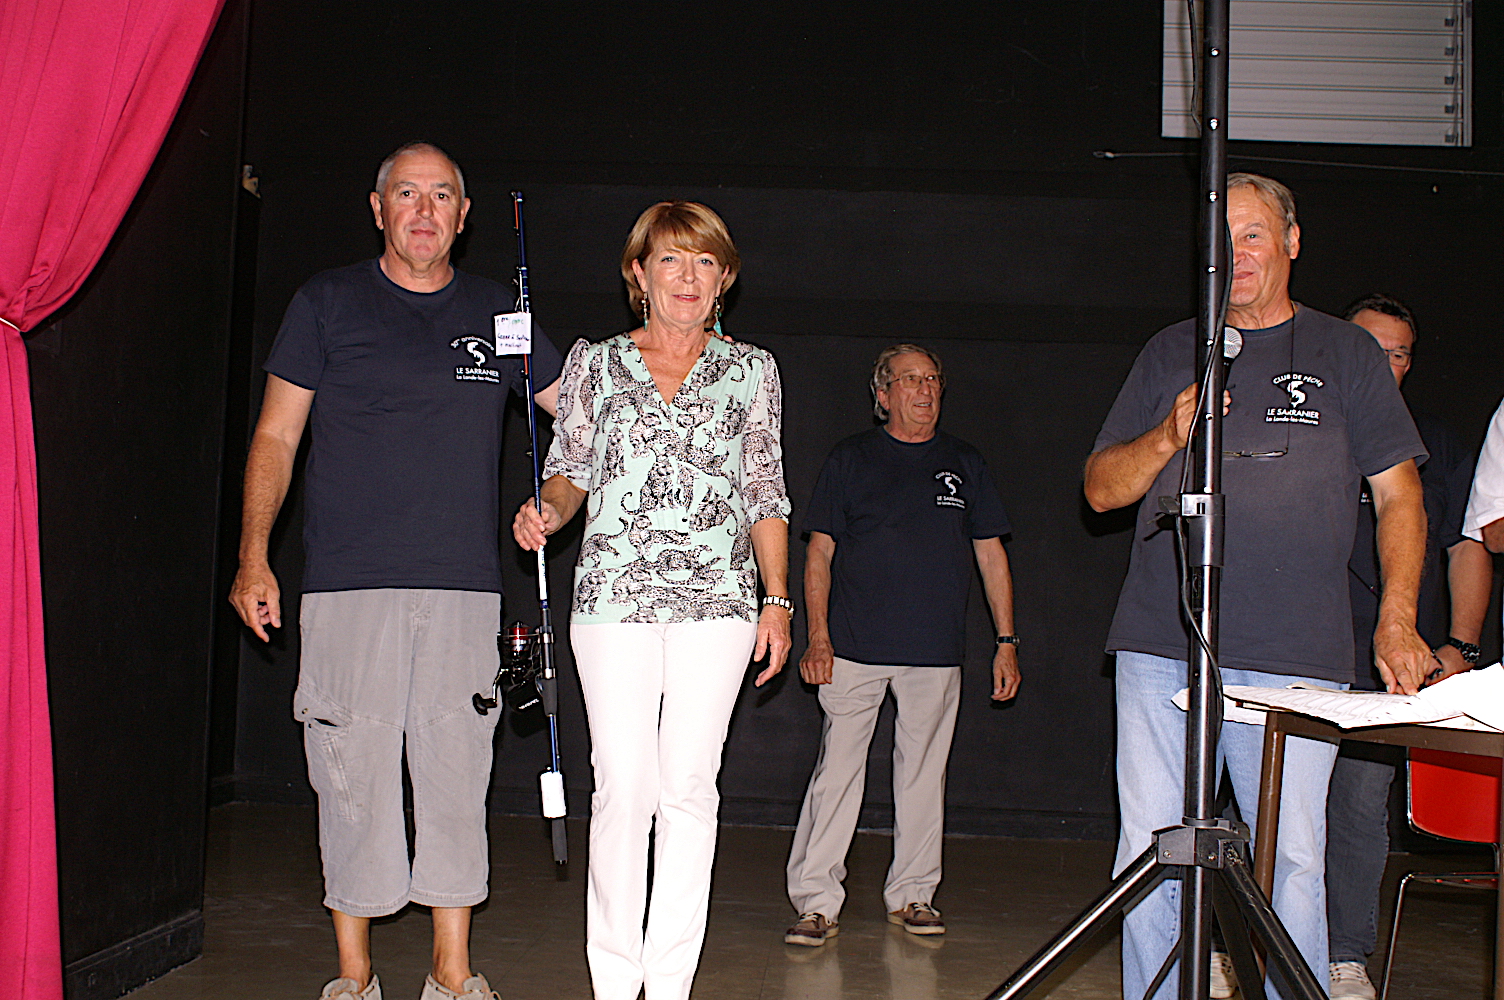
(717, 327)
(645, 311)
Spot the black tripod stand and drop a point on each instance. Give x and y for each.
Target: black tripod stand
(1209, 855)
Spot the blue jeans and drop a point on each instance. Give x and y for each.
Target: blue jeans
(1151, 796)
(1357, 849)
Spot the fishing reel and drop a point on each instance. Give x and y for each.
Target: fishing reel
(519, 678)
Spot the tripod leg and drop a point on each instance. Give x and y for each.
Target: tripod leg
(1239, 945)
(1254, 909)
(1139, 877)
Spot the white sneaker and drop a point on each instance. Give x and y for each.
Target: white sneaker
(1350, 982)
(476, 988)
(345, 988)
(1224, 981)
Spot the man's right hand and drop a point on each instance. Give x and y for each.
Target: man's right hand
(1176, 426)
(257, 598)
(817, 663)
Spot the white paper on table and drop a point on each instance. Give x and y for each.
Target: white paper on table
(1477, 694)
(1475, 703)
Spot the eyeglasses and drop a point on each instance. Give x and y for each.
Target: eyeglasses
(1282, 452)
(914, 380)
(1400, 356)
(1263, 454)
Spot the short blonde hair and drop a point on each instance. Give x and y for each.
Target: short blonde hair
(684, 224)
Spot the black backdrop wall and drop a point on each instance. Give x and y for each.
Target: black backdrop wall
(888, 176)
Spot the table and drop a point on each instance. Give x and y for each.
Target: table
(1280, 724)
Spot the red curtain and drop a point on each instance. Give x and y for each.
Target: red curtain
(90, 88)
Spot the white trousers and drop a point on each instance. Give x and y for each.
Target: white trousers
(927, 700)
(659, 701)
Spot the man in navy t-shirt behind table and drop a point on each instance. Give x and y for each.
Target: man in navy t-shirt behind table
(898, 514)
(392, 363)
(1314, 410)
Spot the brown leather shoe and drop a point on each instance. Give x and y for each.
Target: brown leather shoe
(918, 918)
(811, 930)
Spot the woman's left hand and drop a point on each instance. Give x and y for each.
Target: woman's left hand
(772, 640)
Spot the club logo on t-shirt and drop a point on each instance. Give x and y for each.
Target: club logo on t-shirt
(952, 482)
(477, 372)
(1298, 387)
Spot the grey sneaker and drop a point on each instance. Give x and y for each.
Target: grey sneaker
(1350, 982)
(476, 988)
(1224, 981)
(918, 918)
(345, 988)
(811, 930)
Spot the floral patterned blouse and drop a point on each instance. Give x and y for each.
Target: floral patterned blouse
(674, 488)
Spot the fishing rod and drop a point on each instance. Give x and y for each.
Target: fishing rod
(527, 674)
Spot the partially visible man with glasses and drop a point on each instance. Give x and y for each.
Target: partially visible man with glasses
(1313, 410)
(898, 515)
(1357, 811)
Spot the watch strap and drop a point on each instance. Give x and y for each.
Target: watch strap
(1470, 651)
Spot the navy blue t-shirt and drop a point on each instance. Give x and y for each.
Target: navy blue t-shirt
(903, 517)
(404, 463)
(1314, 410)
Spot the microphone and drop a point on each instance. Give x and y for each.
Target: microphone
(1232, 345)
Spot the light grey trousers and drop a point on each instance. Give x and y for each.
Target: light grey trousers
(927, 699)
(380, 668)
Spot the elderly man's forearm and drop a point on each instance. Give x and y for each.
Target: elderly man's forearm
(1121, 474)
(817, 558)
(1400, 521)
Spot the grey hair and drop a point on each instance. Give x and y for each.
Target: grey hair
(385, 170)
(882, 371)
(1275, 194)
(1388, 305)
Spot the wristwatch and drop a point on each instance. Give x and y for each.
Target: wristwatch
(1469, 651)
(1007, 640)
(781, 602)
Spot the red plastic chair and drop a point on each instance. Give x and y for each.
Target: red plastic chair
(1454, 796)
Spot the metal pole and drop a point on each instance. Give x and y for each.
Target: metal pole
(1202, 507)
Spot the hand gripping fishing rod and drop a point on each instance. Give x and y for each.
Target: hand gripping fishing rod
(527, 657)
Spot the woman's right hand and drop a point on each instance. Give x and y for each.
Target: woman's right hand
(531, 529)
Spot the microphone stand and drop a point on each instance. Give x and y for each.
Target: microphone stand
(1208, 854)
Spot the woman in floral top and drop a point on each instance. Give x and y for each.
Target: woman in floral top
(670, 436)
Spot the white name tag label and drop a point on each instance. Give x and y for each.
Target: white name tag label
(514, 333)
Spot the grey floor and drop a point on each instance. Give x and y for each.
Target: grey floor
(268, 936)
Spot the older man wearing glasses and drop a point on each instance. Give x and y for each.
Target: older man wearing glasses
(1313, 410)
(898, 515)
